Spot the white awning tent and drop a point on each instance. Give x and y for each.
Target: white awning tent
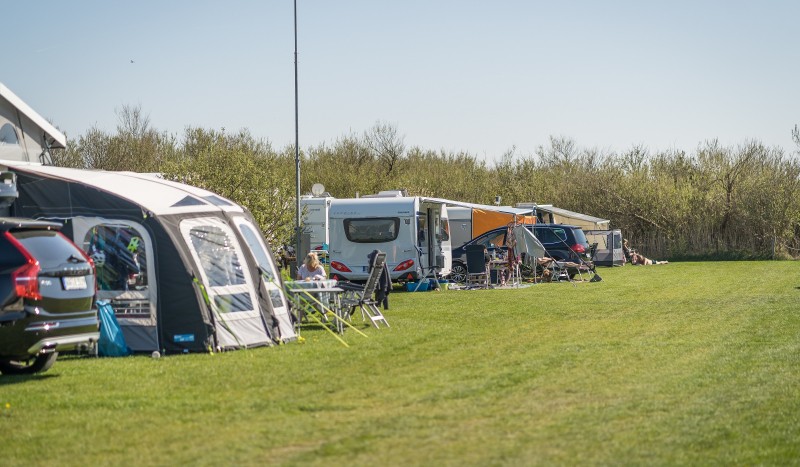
(24, 134)
(184, 268)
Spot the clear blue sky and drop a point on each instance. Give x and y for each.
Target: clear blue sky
(477, 76)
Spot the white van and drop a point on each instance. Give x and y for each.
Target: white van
(412, 230)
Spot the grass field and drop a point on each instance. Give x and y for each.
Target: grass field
(682, 364)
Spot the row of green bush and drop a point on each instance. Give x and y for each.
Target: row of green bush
(716, 202)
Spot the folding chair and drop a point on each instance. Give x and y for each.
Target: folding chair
(477, 273)
(362, 297)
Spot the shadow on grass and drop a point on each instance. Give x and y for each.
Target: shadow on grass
(7, 380)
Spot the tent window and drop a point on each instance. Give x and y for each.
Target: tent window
(218, 256)
(372, 230)
(8, 135)
(120, 256)
(233, 302)
(264, 260)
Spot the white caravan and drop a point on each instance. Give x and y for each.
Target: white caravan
(315, 220)
(412, 230)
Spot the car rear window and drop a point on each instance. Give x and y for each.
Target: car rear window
(580, 237)
(47, 246)
(550, 234)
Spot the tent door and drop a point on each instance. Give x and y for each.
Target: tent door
(269, 274)
(125, 263)
(227, 280)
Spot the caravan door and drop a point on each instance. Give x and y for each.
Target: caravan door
(432, 245)
(447, 246)
(226, 279)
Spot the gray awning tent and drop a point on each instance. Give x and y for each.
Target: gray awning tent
(608, 251)
(185, 269)
(549, 214)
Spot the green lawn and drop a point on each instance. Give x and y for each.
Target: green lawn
(682, 364)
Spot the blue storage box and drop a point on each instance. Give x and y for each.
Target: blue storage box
(423, 287)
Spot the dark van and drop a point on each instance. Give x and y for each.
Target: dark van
(562, 242)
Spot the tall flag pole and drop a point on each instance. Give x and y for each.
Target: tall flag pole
(296, 150)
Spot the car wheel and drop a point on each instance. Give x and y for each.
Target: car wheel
(37, 364)
(458, 273)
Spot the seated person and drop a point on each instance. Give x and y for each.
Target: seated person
(311, 270)
(636, 259)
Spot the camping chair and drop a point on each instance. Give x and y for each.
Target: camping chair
(362, 297)
(548, 269)
(477, 274)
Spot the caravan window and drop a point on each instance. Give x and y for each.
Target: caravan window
(8, 135)
(445, 230)
(372, 230)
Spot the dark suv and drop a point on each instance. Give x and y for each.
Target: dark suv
(562, 242)
(47, 296)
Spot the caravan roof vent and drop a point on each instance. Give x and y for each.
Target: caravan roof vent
(8, 189)
(389, 194)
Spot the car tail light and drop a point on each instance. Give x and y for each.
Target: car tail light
(404, 265)
(578, 248)
(339, 266)
(26, 277)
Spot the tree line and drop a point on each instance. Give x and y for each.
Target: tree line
(718, 202)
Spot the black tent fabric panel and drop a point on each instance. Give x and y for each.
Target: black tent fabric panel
(185, 324)
(51, 197)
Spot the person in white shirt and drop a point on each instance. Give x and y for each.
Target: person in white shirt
(311, 270)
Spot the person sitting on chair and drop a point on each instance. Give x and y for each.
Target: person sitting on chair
(311, 270)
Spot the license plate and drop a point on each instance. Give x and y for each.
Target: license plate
(74, 282)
